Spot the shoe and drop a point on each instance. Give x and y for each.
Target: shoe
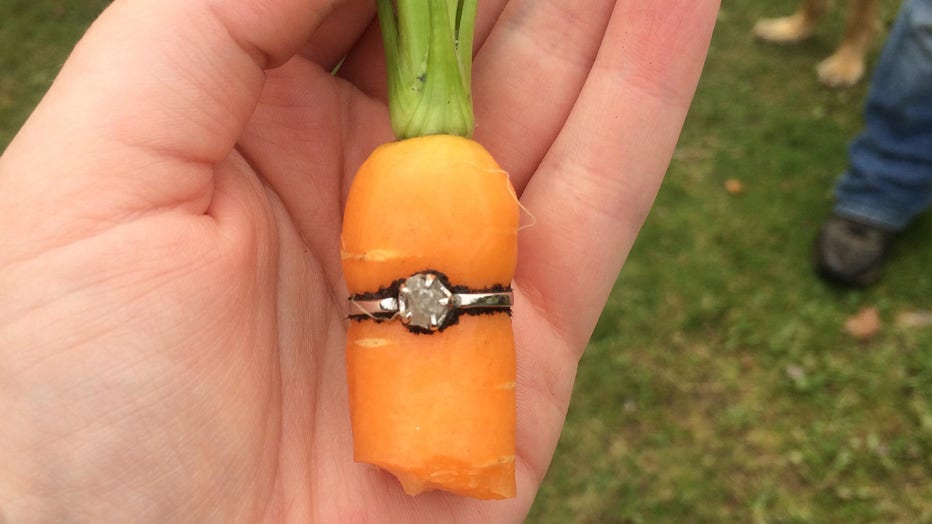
(850, 252)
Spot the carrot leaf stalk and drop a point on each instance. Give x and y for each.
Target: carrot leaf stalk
(428, 51)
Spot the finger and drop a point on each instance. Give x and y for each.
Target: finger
(591, 194)
(338, 33)
(598, 181)
(364, 65)
(152, 97)
(527, 75)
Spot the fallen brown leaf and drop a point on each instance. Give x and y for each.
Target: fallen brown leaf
(864, 324)
(734, 186)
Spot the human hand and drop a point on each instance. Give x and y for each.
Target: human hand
(173, 312)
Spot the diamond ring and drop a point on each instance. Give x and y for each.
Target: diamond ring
(424, 302)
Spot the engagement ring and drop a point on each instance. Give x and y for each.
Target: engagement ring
(424, 302)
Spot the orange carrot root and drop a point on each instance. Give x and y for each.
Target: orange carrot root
(437, 410)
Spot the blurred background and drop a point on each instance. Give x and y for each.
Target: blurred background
(724, 382)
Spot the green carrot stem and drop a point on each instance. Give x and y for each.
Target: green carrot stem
(428, 51)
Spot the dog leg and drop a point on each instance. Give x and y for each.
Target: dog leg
(846, 65)
(793, 28)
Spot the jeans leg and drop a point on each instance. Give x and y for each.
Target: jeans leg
(889, 180)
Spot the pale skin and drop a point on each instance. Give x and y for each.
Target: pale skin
(173, 312)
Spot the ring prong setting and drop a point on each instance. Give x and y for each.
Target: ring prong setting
(424, 302)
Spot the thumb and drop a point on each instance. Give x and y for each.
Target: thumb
(153, 96)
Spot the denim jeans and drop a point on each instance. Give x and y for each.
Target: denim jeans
(889, 180)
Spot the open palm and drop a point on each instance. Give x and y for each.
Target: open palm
(173, 312)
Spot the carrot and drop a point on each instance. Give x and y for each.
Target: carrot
(434, 404)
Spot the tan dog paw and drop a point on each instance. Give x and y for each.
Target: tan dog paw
(784, 30)
(842, 69)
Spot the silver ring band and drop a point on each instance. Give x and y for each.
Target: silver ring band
(424, 302)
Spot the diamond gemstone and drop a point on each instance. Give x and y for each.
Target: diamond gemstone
(424, 302)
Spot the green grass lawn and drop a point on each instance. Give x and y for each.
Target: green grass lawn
(720, 384)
